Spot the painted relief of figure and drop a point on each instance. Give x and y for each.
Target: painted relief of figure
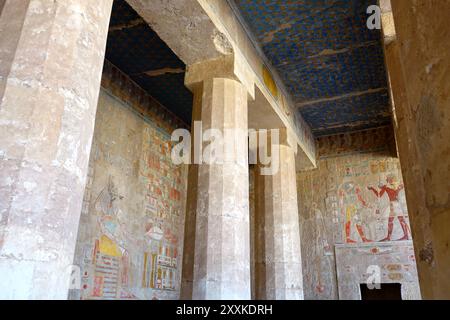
(352, 203)
(113, 234)
(393, 189)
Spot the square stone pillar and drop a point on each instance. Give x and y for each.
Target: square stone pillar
(278, 264)
(417, 54)
(51, 59)
(187, 271)
(216, 262)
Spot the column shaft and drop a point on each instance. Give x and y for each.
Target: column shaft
(278, 254)
(221, 264)
(51, 58)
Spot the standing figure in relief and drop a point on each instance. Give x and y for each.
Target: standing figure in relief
(352, 204)
(393, 189)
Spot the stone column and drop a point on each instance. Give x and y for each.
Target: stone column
(220, 244)
(51, 58)
(278, 263)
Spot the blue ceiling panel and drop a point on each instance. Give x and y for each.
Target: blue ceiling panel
(162, 88)
(122, 14)
(138, 51)
(335, 75)
(351, 113)
(323, 49)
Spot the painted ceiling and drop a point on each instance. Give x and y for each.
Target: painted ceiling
(330, 62)
(138, 51)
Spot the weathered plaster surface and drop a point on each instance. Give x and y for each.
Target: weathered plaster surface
(130, 238)
(338, 205)
(395, 263)
(51, 61)
(418, 64)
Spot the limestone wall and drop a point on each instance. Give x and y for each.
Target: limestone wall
(342, 203)
(132, 222)
(418, 63)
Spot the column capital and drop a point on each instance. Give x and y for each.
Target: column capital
(228, 66)
(287, 138)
